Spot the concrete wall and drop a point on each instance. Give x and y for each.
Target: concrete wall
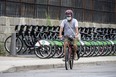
(7, 24)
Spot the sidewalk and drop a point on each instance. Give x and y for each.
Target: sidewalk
(15, 64)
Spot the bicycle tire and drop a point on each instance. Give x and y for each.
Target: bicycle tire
(96, 51)
(82, 51)
(53, 52)
(92, 51)
(101, 51)
(67, 59)
(59, 52)
(24, 47)
(43, 52)
(105, 51)
(108, 50)
(19, 44)
(71, 60)
(87, 51)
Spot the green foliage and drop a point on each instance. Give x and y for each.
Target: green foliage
(48, 22)
(2, 51)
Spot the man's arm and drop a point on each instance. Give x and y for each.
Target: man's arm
(60, 32)
(77, 31)
(76, 26)
(61, 29)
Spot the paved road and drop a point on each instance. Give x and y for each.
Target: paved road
(101, 69)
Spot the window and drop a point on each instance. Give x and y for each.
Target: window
(111, 7)
(62, 13)
(2, 8)
(88, 4)
(41, 11)
(79, 3)
(78, 14)
(12, 9)
(54, 12)
(97, 16)
(105, 17)
(27, 10)
(41, 1)
(88, 15)
(28, 1)
(68, 3)
(105, 6)
(113, 18)
(14, 0)
(54, 2)
(97, 5)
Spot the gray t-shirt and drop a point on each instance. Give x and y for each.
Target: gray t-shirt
(67, 31)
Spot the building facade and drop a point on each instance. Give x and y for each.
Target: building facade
(89, 13)
(100, 11)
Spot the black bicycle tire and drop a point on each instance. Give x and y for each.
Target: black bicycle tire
(87, 52)
(108, 50)
(96, 51)
(67, 59)
(50, 51)
(105, 51)
(101, 51)
(53, 52)
(37, 53)
(92, 51)
(16, 42)
(59, 52)
(28, 41)
(40, 55)
(82, 51)
(71, 60)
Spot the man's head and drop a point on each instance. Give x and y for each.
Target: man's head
(69, 14)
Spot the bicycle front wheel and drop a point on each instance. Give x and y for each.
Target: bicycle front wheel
(71, 60)
(68, 60)
(7, 44)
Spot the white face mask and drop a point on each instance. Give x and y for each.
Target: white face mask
(68, 18)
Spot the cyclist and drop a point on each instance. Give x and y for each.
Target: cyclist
(70, 27)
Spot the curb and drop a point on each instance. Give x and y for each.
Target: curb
(47, 66)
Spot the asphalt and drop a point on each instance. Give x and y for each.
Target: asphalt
(25, 63)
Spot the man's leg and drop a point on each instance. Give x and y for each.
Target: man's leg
(65, 45)
(75, 49)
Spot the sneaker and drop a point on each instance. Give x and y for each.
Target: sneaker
(76, 57)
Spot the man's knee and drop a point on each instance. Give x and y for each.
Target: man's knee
(75, 46)
(65, 43)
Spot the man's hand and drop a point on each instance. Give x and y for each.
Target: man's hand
(60, 36)
(76, 36)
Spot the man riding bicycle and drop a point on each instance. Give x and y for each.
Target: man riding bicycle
(70, 27)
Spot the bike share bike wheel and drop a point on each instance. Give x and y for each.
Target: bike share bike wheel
(8, 42)
(43, 50)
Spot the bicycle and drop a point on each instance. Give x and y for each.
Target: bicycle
(19, 43)
(69, 55)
